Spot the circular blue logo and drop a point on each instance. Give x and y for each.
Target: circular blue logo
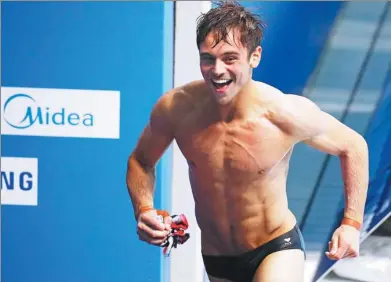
(11, 117)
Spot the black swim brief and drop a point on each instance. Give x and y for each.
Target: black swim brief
(242, 268)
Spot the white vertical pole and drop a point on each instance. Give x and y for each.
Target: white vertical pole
(186, 262)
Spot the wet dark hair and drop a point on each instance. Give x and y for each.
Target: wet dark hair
(227, 16)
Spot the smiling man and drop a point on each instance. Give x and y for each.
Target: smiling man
(237, 135)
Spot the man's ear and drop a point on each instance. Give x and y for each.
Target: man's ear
(256, 57)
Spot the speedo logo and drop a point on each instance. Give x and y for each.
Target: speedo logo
(287, 242)
(30, 114)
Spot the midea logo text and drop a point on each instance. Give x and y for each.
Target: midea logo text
(34, 115)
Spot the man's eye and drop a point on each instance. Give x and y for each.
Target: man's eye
(207, 60)
(230, 59)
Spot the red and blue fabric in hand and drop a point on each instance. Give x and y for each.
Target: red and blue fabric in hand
(177, 235)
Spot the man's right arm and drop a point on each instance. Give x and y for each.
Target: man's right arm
(154, 140)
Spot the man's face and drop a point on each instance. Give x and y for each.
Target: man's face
(226, 67)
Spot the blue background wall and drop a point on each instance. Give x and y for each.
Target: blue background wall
(83, 228)
(295, 35)
(378, 204)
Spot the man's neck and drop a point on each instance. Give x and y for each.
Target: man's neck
(238, 106)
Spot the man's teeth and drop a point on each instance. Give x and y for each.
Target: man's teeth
(220, 80)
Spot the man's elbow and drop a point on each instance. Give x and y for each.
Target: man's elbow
(136, 163)
(357, 145)
(360, 143)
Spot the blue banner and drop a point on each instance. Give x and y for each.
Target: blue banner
(78, 82)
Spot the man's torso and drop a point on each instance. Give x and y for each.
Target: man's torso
(237, 170)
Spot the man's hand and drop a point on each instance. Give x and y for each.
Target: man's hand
(151, 230)
(345, 243)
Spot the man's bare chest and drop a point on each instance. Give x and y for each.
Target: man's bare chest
(248, 146)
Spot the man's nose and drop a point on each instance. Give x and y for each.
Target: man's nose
(219, 68)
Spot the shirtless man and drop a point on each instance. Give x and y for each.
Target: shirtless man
(237, 135)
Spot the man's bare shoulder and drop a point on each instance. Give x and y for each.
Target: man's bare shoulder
(285, 110)
(189, 95)
(281, 104)
(299, 103)
(194, 87)
(275, 94)
(267, 93)
(180, 101)
(267, 88)
(182, 96)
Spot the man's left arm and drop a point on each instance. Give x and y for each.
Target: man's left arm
(322, 131)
